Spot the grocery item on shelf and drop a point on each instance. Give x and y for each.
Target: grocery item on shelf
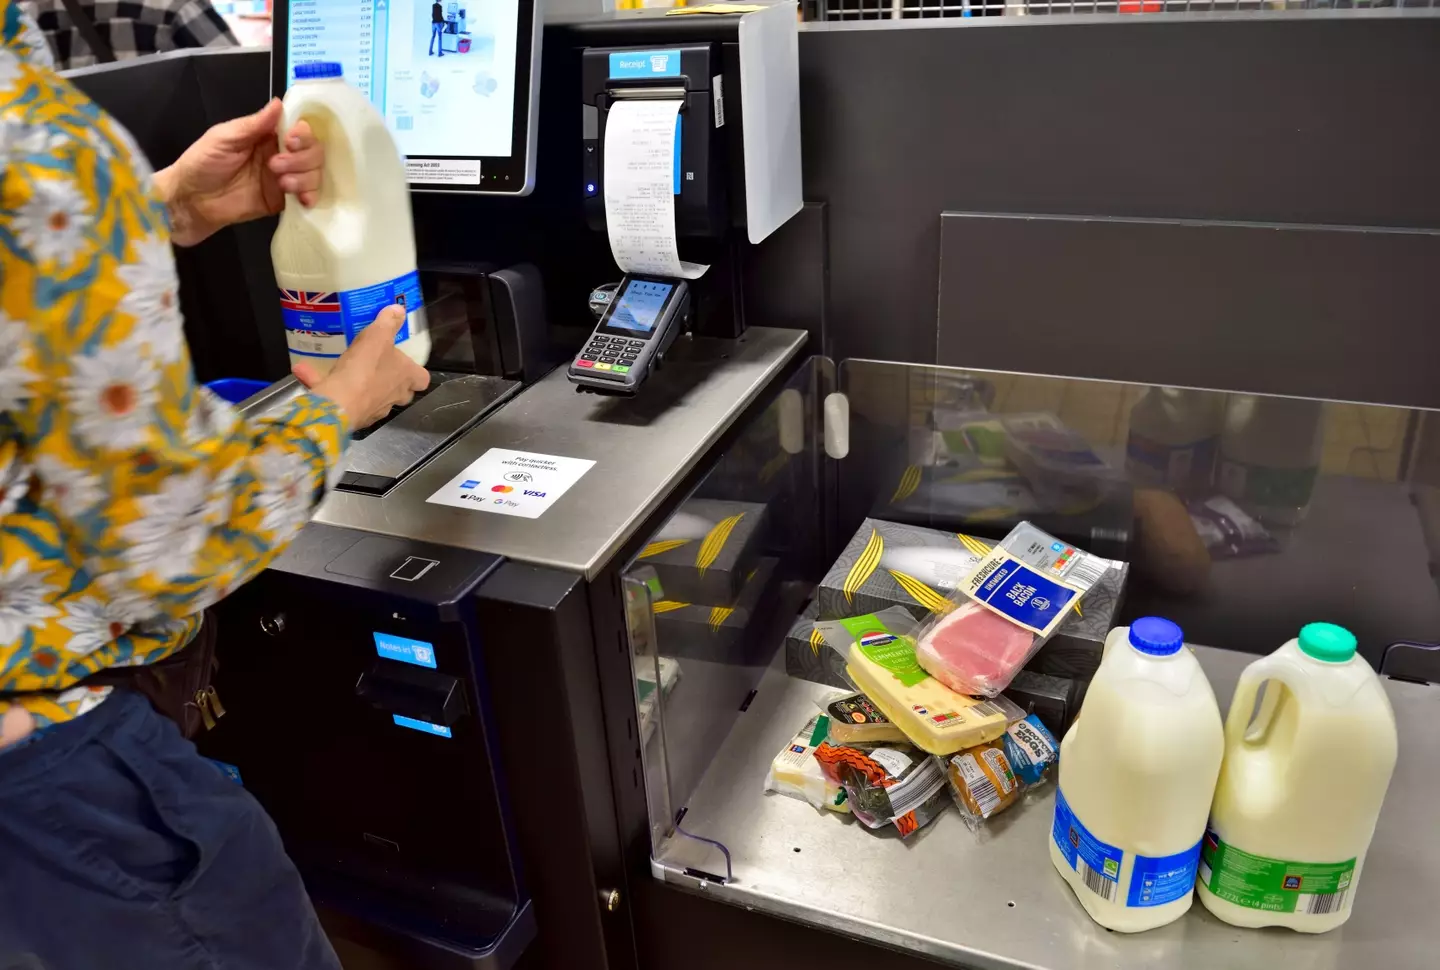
(1174, 437)
(982, 781)
(854, 719)
(647, 697)
(1032, 749)
(716, 632)
(970, 646)
(796, 773)
(806, 655)
(889, 564)
(1054, 700)
(1012, 601)
(1270, 456)
(882, 664)
(892, 784)
(1137, 773)
(1061, 467)
(706, 549)
(1301, 787)
(886, 564)
(1227, 531)
(1168, 549)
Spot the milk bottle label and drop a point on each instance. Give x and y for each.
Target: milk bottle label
(1097, 862)
(1155, 881)
(1273, 885)
(324, 324)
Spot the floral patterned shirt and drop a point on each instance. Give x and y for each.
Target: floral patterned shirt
(130, 498)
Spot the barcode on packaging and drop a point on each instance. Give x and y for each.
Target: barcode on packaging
(1096, 882)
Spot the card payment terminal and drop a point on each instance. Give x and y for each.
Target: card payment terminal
(641, 322)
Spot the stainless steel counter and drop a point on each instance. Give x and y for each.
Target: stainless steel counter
(996, 902)
(641, 447)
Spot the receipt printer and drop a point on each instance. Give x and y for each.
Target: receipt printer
(737, 140)
(690, 74)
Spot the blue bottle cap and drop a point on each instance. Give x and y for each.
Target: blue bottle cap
(1156, 636)
(317, 69)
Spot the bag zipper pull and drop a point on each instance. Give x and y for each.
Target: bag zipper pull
(215, 706)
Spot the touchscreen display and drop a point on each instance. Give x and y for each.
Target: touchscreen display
(442, 73)
(639, 306)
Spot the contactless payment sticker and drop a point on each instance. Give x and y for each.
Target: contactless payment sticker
(509, 482)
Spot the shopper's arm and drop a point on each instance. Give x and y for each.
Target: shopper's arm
(237, 171)
(173, 499)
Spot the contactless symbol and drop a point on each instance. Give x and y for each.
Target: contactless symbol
(519, 477)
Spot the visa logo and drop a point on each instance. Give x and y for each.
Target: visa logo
(534, 494)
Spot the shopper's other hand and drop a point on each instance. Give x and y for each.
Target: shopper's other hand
(372, 376)
(236, 172)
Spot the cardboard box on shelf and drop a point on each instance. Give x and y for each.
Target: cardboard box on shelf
(807, 656)
(718, 633)
(891, 564)
(706, 549)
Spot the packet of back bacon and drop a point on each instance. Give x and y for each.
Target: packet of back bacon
(887, 783)
(1005, 610)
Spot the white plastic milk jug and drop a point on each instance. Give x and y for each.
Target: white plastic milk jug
(1137, 774)
(1174, 437)
(341, 262)
(1301, 787)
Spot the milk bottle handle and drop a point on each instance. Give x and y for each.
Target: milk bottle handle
(292, 113)
(1242, 705)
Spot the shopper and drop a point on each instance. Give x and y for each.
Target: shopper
(131, 500)
(437, 29)
(85, 32)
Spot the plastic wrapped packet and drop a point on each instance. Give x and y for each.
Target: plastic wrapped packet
(989, 778)
(880, 661)
(796, 773)
(854, 719)
(1005, 610)
(1227, 531)
(887, 784)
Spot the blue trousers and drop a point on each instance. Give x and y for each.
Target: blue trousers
(437, 32)
(122, 848)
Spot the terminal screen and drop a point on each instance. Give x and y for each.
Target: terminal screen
(639, 306)
(442, 73)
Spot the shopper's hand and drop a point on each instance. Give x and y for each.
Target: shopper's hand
(372, 376)
(237, 172)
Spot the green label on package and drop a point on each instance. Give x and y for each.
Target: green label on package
(890, 650)
(1273, 885)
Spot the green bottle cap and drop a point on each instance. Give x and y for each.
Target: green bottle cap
(1327, 642)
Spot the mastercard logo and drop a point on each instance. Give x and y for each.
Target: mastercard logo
(502, 489)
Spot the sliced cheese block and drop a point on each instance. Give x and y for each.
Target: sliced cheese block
(933, 717)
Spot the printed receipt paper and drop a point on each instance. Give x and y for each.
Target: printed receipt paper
(640, 189)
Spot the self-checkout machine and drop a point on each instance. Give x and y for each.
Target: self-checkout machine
(412, 687)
